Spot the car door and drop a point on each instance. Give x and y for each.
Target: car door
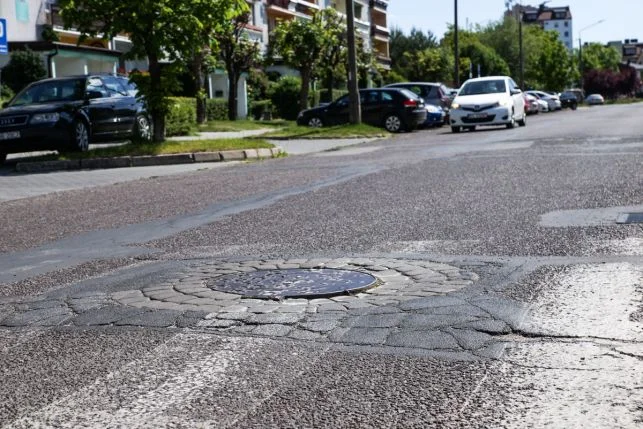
(125, 105)
(518, 99)
(371, 107)
(101, 109)
(338, 111)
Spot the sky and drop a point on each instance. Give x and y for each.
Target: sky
(622, 18)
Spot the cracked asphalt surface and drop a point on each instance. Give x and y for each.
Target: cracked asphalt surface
(507, 294)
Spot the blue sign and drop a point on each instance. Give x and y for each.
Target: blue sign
(4, 46)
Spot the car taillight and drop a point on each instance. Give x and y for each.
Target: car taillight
(410, 103)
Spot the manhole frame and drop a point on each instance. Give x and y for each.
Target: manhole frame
(630, 218)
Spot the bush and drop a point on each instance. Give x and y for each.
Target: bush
(6, 93)
(216, 109)
(181, 117)
(259, 108)
(284, 95)
(24, 67)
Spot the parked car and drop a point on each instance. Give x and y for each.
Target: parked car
(435, 116)
(552, 103)
(395, 109)
(494, 100)
(594, 99)
(532, 105)
(579, 93)
(568, 99)
(70, 113)
(434, 93)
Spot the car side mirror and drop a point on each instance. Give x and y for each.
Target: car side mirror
(516, 92)
(94, 94)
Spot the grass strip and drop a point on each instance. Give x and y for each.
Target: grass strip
(334, 132)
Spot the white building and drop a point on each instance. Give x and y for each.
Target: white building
(557, 19)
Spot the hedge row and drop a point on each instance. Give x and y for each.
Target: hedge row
(181, 117)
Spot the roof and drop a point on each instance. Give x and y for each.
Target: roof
(482, 79)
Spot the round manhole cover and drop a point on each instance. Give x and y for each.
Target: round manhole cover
(293, 283)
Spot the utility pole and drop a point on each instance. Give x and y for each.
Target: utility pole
(457, 48)
(355, 112)
(522, 52)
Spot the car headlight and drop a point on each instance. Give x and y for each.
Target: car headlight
(41, 118)
(433, 109)
(455, 106)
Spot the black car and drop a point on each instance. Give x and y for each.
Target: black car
(70, 113)
(394, 109)
(569, 99)
(434, 93)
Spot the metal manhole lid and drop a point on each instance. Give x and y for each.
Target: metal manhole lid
(630, 218)
(293, 283)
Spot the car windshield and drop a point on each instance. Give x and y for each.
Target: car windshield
(483, 87)
(51, 91)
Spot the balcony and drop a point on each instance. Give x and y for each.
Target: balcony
(292, 8)
(379, 5)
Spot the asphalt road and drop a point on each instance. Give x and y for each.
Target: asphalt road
(506, 293)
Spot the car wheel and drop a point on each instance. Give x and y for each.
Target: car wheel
(142, 131)
(523, 121)
(456, 129)
(315, 122)
(512, 122)
(80, 136)
(574, 106)
(473, 128)
(393, 124)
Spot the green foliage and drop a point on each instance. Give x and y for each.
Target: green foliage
(260, 107)
(400, 44)
(181, 116)
(216, 109)
(598, 57)
(394, 77)
(6, 93)
(24, 68)
(284, 95)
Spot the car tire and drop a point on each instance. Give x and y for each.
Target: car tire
(315, 122)
(512, 122)
(393, 124)
(523, 121)
(471, 128)
(574, 106)
(142, 131)
(80, 136)
(456, 129)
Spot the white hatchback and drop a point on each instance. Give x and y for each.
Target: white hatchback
(494, 100)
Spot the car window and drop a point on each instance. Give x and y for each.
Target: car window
(130, 87)
(95, 84)
(409, 94)
(370, 97)
(51, 91)
(114, 86)
(342, 101)
(484, 87)
(387, 97)
(433, 93)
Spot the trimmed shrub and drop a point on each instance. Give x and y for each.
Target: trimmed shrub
(284, 95)
(181, 116)
(259, 108)
(216, 109)
(24, 67)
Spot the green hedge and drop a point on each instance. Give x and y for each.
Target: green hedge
(181, 116)
(217, 109)
(259, 108)
(284, 95)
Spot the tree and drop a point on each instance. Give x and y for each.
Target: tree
(400, 44)
(334, 52)
(24, 67)
(160, 30)
(299, 43)
(598, 57)
(239, 54)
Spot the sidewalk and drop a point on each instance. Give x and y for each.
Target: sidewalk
(290, 147)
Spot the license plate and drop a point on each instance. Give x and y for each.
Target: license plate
(10, 135)
(477, 115)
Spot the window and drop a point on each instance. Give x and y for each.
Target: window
(387, 97)
(370, 97)
(566, 23)
(358, 9)
(566, 33)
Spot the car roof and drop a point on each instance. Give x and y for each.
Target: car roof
(482, 79)
(414, 83)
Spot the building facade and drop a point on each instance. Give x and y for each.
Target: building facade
(558, 19)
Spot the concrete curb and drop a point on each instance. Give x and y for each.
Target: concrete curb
(146, 161)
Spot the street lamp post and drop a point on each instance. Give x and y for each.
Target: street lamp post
(456, 47)
(580, 47)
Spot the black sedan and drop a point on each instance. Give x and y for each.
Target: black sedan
(70, 113)
(569, 99)
(392, 108)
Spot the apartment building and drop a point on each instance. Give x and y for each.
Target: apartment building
(558, 19)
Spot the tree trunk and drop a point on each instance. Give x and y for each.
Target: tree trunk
(305, 87)
(156, 110)
(233, 82)
(330, 84)
(199, 79)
